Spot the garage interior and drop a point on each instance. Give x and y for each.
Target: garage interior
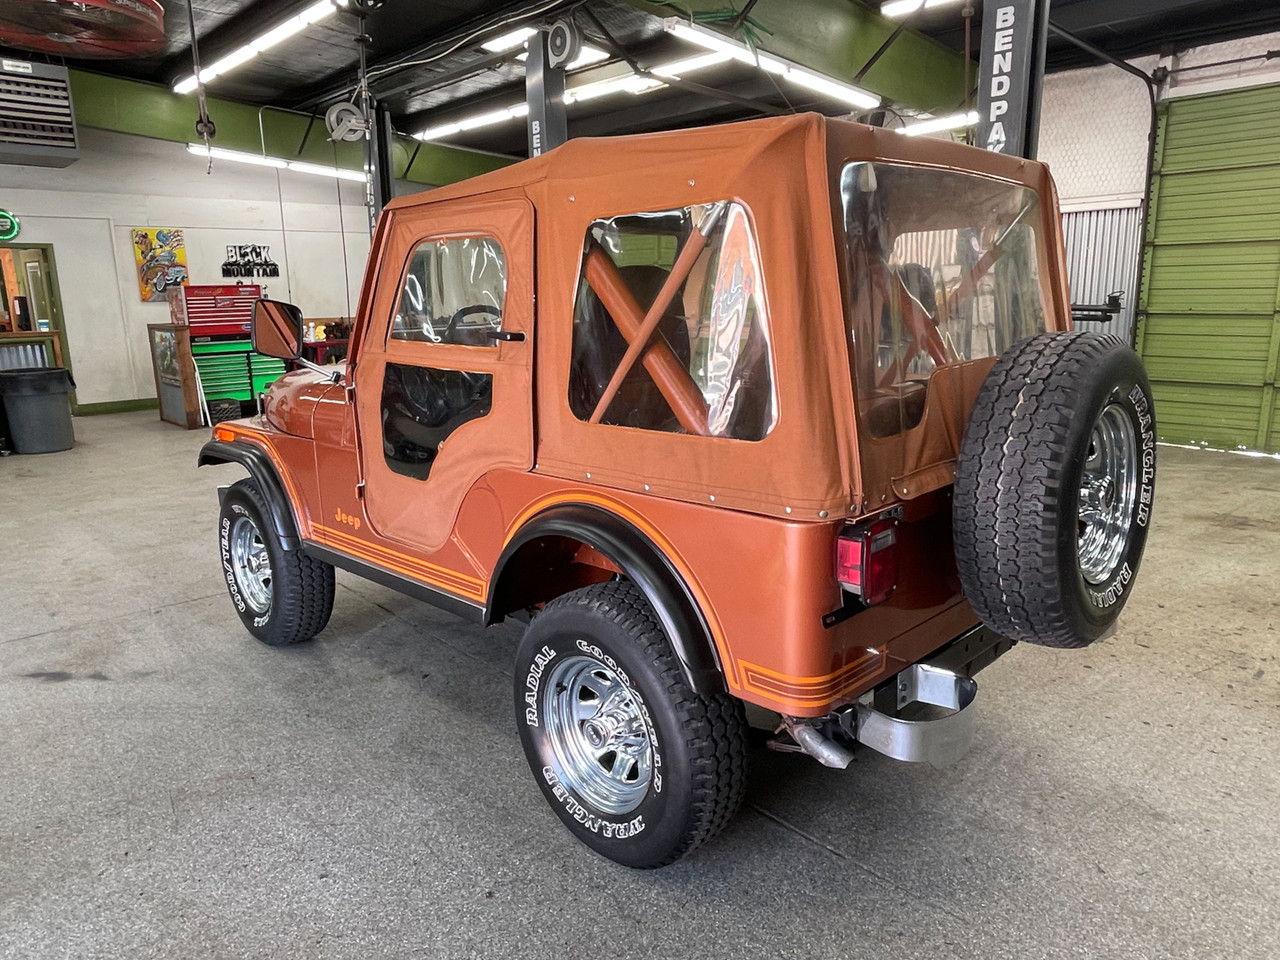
(173, 787)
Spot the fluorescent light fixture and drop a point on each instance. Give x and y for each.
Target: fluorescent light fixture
(265, 41)
(297, 166)
(230, 61)
(801, 76)
(586, 56)
(709, 39)
(257, 160)
(956, 121)
(904, 8)
(678, 68)
(509, 41)
(487, 119)
(820, 83)
(771, 64)
(237, 156)
(627, 83)
(279, 34)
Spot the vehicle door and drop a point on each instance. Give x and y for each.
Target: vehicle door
(443, 379)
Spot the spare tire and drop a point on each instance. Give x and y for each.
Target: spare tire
(1054, 486)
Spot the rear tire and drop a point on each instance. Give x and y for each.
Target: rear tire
(282, 596)
(1054, 486)
(638, 766)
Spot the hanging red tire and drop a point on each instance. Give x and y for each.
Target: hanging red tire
(1054, 486)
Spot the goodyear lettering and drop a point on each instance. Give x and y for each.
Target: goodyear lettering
(540, 661)
(606, 828)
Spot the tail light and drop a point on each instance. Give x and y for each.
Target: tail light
(867, 560)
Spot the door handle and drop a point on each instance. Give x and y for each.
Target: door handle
(510, 336)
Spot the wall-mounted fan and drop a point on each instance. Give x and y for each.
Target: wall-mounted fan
(83, 28)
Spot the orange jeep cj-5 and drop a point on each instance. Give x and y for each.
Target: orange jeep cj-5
(785, 414)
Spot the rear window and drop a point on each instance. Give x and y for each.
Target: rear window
(943, 267)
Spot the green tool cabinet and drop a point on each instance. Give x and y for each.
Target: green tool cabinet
(232, 374)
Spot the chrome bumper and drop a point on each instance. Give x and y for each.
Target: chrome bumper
(944, 680)
(939, 741)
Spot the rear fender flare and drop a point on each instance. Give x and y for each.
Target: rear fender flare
(643, 563)
(263, 471)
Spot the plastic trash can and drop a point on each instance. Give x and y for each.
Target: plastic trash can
(37, 408)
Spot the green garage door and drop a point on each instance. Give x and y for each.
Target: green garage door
(1210, 332)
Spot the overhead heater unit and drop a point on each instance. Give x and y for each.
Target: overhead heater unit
(37, 125)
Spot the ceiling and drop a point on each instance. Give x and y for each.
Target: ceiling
(427, 65)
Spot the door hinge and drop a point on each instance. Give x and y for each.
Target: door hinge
(360, 490)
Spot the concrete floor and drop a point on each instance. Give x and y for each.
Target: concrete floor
(171, 788)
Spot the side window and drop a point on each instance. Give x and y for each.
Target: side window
(421, 406)
(707, 366)
(453, 292)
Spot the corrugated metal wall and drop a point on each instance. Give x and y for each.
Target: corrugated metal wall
(1211, 331)
(1104, 250)
(15, 356)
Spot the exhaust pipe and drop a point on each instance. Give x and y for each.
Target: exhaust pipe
(826, 752)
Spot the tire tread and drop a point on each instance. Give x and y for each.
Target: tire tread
(1008, 483)
(715, 724)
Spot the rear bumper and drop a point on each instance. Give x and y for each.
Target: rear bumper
(943, 680)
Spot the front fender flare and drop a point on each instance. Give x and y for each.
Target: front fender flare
(642, 562)
(263, 471)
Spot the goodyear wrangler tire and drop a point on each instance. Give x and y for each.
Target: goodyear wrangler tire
(282, 596)
(638, 766)
(1054, 486)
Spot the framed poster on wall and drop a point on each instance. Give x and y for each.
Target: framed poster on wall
(160, 254)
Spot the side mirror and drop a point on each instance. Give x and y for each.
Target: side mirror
(277, 329)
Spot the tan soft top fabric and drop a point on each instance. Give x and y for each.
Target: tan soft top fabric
(781, 170)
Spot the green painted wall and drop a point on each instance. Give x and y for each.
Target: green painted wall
(837, 37)
(149, 110)
(1210, 311)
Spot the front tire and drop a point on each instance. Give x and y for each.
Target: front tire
(638, 766)
(282, 596)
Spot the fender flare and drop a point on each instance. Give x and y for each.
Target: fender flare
(645, 565)
(263, 471)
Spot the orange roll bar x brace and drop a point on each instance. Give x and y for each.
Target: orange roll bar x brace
(670, 375)
(679, 273)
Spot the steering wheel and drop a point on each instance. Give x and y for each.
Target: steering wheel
(468, 311)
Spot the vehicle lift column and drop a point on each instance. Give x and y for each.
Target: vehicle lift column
(544, 92)
(1011, 75)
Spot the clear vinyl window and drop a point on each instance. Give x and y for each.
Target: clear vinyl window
(453, 292)
(707, 367)
(943, 267)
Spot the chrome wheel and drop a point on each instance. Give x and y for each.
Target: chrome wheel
(250, 564)
(602, 746)
(1108, 492)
